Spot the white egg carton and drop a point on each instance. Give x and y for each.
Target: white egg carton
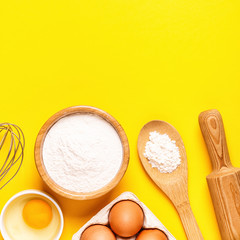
(150, 220)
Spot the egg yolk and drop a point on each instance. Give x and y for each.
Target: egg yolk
(37, 213)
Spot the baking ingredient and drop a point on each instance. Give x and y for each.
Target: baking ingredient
(12, 144)
(82, 152)
(19, 229)
(102, 217)
(151, 234)
(98, 232)
(37, 213)
(126, 218)
(162, 152)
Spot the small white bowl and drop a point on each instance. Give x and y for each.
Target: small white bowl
(31, 193)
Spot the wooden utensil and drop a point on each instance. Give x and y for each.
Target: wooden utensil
(224, 181)
(175, 184)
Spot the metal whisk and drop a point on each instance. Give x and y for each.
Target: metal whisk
(12, 144)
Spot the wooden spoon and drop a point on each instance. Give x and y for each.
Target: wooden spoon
(174, 184)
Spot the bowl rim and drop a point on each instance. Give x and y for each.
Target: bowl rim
(39, 146)
(28, 192)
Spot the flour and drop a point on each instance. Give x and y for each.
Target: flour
(162, 152)
(82, 152)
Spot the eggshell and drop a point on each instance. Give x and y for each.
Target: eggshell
(126, 218)
(98, 232)
(151, 234)
(150, 220)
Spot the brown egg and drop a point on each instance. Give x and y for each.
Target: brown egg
(98, 232)
(151, 234)
(126, 218)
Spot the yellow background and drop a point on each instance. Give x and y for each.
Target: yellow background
(139, 61)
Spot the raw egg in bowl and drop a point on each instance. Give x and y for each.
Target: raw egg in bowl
(31, 214)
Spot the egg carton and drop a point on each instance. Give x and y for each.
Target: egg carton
(150, 220)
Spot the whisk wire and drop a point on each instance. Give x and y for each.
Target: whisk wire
(15, 151)
(10, 163)
(10, 149)
(4, 138)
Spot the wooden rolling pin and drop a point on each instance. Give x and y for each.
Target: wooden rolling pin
(224, 181)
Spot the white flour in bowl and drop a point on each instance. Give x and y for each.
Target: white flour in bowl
(162, 152)
(82, 152)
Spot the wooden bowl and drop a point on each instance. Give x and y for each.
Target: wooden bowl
(39, 158)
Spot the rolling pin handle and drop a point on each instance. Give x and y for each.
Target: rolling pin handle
(212, 128)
